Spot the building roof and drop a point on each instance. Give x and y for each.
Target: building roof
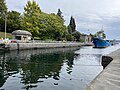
(21, 32)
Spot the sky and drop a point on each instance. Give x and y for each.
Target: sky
(90, 15)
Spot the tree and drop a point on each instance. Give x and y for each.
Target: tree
(73, 34)
(72, 24)
(13, 21)
(69, 36)
(69, 29)
(3, 12)
(52, 27)
(31, 17)
(3, 7)
(59, 13)
(43, 25)
(76, 36)
(58, 27)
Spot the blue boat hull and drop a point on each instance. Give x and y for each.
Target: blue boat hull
(100, 43)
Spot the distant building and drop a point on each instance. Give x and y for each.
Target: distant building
(85, 38)
(21, 35)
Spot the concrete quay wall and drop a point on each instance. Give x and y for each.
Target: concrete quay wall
(109, 78)
(22, 46)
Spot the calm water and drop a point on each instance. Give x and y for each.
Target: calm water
(50, 69)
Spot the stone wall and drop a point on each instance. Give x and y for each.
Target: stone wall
(22, 46)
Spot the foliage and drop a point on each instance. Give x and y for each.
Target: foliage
(72, 24)
(95, 35)
(81, 40)
(70, 37)
(13, 18)
(59, 13)
(40, 24)
(69, 29)
(3, 11)
(73, 35)
(103, 35)
(13, 21)
(52, 27)
(43, 25)
(76, 36)
(3, 7)
(31, 17)
(92, 35)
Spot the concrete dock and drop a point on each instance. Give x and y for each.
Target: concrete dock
(23, 46)
(109, 78)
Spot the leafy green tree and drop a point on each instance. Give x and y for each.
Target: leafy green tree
(43, 25)
(3, 7)
(76, 36)
(69, 29)
(31, 17)
(73, 35)
(72, 24)
(52, 27)
(3, 12)
(69, 36)
(13, 21)
(58, 27)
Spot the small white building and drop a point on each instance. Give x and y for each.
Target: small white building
(21, 35)
(85, 38)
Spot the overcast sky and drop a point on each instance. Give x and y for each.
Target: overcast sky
(90, 15)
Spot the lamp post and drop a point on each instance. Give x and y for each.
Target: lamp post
(5, 25)
(5, 21)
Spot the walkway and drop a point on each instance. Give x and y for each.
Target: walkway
(109, 78)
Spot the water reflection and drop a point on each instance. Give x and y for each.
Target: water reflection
(49, 69)
(31, 67)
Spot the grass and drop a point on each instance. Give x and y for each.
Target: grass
(8, 35)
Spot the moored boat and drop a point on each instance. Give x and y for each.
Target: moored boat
(99, 41)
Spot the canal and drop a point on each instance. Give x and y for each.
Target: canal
(51, 69)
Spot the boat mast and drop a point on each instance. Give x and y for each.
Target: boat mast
(102, 29)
